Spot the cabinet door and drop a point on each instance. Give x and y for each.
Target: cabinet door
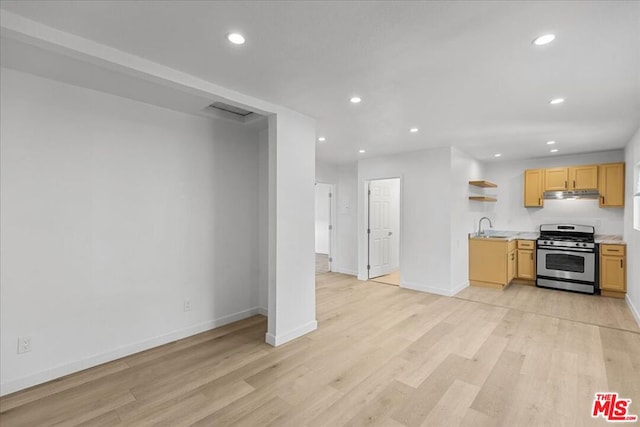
(533, 187)
(556, 179)
(612, 271)
(487, 261)
(611, 184)
(583, 177)
(526, 264)
(511, 265)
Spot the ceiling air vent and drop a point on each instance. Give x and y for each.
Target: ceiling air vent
(230, 109)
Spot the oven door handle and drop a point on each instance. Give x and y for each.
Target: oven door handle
(557, 249)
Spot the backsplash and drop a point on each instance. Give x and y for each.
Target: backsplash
(584, 212)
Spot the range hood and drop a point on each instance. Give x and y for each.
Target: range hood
(571, 194)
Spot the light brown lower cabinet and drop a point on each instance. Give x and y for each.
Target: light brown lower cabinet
(613, 270)
(492, 263)
(512, 265)
(526, 260)
(526, 264)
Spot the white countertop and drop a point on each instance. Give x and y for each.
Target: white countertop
(508, 235)
(612, 239)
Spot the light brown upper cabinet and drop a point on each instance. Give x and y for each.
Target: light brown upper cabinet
(607, 178)
(583, 177)
(571, 178)
(533, 179)
(556, 179)
(611, 184)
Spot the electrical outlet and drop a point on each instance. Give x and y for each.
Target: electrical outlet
(24, 345)
(187, 305)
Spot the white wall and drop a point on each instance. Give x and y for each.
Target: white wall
(323, 217)
(345, 247)
(425, 238)
(465, 213)
(631, 235)
(263, 220)
(114, 212)
(509, 213)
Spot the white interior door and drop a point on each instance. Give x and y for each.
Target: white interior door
(380, 228)
(323, 218)
(323, 221)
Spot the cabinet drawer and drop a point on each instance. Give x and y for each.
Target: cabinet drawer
(612, 250)
(526, 244)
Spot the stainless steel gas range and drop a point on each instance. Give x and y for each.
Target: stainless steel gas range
(567, 257)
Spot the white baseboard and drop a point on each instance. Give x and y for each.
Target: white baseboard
(431, 289)
(98, 359)
(276, 340)
(633, 308)
(460, 287)
(263, 311)
(346, 271)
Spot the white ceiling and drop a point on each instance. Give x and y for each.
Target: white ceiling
(464, 73)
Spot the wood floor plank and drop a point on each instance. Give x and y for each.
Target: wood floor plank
(344, 409)
(107, 419)
(264, 414)
(305, 411)
(495, 394)
(379, 409)
(452, 407)
(418, 406)
(56, 386)
(73, 410)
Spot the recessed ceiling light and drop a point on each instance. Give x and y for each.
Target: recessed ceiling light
(413, 130)
(355, 99)
(322, 139)
(556, 101)
(555, 150)
(497, 155)
(235, 38)
(361, 151)
(550, 142)
(545, 39)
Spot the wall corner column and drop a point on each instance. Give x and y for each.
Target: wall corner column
(291, 270)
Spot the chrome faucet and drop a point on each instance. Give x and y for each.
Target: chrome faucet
(480, 231)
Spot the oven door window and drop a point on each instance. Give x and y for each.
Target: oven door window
(565, 262)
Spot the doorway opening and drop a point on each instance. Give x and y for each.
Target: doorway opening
(383, 231)
(324, 227)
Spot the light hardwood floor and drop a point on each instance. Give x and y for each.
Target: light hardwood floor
(592, 309)
(382, 355)
(392, 278)
(322, 263)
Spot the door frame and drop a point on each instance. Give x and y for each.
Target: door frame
(366, 224)
(332, 222)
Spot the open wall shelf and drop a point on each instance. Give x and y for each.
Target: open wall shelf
(484, 184)
(483, 198)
